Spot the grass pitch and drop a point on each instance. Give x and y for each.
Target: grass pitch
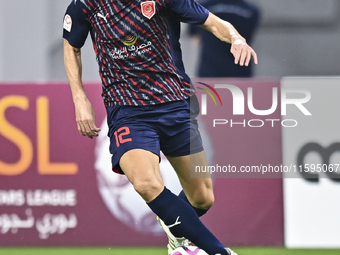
(158, 251)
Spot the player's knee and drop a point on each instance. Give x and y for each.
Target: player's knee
(204, 201)
(148, 189)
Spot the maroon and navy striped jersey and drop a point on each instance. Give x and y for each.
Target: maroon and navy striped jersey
(136, 46)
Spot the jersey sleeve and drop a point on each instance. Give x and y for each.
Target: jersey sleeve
(189, 11)
(76, 25)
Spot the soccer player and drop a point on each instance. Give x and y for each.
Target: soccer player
(149, 100)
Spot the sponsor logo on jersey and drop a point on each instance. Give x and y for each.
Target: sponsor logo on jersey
(148, 9)
(129, 40)
(68, 23)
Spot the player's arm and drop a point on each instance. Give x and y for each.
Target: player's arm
(227, 33)
(190, 11)
(85, 115)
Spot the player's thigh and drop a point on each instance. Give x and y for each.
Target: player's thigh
(141, 167)
(199, 191)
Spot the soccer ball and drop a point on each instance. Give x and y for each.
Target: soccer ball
(188, 250)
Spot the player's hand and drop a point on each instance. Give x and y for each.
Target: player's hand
(242, 52)
(85, 117)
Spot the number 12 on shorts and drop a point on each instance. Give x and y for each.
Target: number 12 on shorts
(119, 135)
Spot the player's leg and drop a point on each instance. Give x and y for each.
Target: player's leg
(179, 138)
(142, 169)
(198, 192)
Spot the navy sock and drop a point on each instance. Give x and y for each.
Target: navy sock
(199, 212)
(172, 209)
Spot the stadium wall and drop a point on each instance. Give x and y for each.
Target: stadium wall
(56, 187)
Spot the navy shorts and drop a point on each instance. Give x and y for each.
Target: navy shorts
(168, 127)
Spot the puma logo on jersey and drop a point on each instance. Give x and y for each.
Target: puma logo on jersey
(102, 16)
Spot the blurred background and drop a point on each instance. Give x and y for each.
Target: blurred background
(294, 37)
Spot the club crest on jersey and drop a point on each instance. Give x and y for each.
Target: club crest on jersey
(67, 23)
(148, 9)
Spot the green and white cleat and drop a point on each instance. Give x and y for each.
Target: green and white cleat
(174, 242)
